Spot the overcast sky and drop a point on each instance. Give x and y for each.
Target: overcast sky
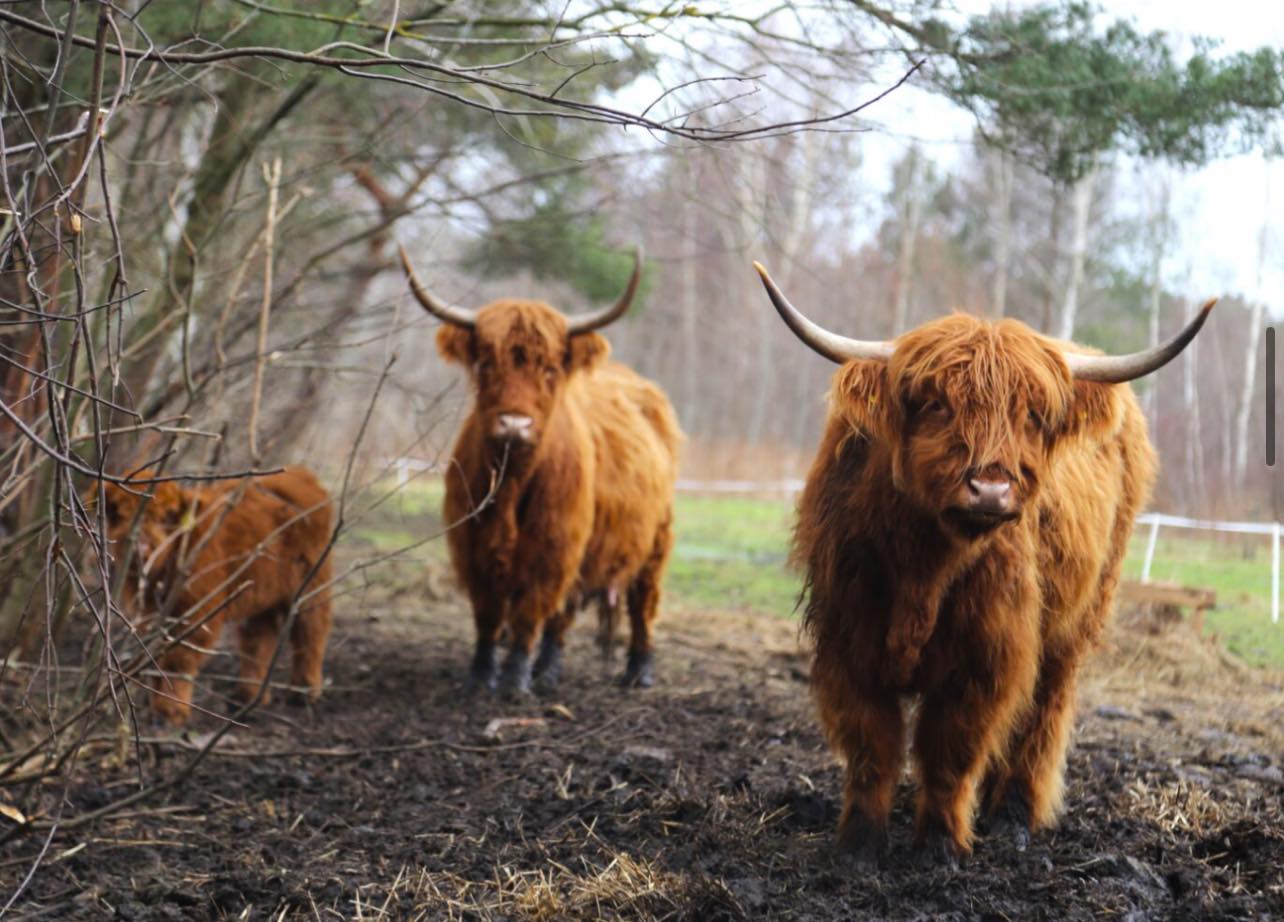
(1220, 208)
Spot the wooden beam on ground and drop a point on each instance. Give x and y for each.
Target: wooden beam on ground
(1171, 595)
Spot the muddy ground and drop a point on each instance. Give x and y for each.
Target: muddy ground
(709, 797)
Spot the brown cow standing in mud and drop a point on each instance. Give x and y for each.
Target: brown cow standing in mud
(241, 551)
(560, 489)
(962, 529)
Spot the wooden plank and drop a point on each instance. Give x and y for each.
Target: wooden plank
(1194, 597)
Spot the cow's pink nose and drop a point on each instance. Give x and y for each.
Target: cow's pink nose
(989, 497)
(514, 426)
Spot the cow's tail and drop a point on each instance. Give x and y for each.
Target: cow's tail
(608, 619)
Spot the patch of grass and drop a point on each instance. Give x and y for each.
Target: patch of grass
(730, 553)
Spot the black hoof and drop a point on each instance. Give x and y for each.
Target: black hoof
(862, 843)
(300, 697)
(548, 680)
(547, 670)
(640, 671)
(152, 724)
(484, 672)
(515, 681)
(936, 850)
(1011, 819)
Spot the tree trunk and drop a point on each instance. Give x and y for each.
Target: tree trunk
(1082, 204)
(1051, 286)
(689, 281)
(1158, 249)
(911, 212)
(1245, 410)
(752, 186)
(1195, 493)
(791, 244)
(1254, 344)
(1005, 176)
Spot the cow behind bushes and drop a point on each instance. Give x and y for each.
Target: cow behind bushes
(962, 530)
(560, 488)
(241, 552)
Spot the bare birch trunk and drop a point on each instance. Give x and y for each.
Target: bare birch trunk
(752, 187)
(791, 244)
(911, 214)
(1245, 412)
(1159, 247)
(1082, 204)
(1005, 177)
(1195, 495)
(1054, 259)
(690, 299)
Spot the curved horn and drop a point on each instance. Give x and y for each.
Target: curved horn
(1116, 369)
(459, 316)
(832, 346)
(583, 323)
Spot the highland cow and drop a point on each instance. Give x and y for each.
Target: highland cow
(560, 488)
(961, 531)
(242, 551)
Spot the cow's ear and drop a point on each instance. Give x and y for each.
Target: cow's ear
(1097, 410)
(455, 344)
(586, 351)
(861, 393)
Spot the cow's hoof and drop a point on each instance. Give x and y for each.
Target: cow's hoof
(547, 670)
(640, 671)
(1011, 820)
(302, 697)
(480, 681)
(515, 681)
(936, 850)
(151, 723)
(483, 675)
(861, 844)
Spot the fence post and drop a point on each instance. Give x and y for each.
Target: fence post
(1275, 574)
(1150, 549)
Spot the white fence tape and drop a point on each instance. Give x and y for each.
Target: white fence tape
(1155, 520)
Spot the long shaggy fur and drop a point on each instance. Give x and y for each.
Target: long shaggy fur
(986, 630)
(242, 552)
(585, 510)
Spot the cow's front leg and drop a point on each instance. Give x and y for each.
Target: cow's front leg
(964, 724)
(487, 613)
(528, 612)
(866, 725)
(172, 690)
(547, 670)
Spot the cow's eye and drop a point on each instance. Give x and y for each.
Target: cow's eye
(1033, 418)
(932, 408)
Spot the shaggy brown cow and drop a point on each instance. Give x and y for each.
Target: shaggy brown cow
(962, 529)
(560, 489)
(237, 551)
